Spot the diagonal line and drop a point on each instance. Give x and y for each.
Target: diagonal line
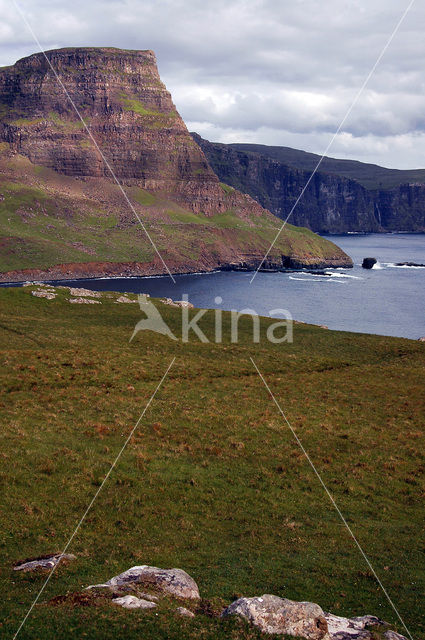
(94, 498)
(107, 164)
(351, 107)
(319, 477)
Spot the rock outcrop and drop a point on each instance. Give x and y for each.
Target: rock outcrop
(368, 263)
(332, 202)
(61, 207)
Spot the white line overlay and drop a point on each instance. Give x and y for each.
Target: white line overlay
(108, 166)
(319, 477)
(351, 107)
(94, 498)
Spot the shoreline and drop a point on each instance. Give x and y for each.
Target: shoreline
(318, 271)
(116, 270)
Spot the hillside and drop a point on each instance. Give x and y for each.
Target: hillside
(61, 210)
(370, 176)
(343, 196)
(212, 480)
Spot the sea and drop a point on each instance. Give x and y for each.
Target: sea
(386, 300)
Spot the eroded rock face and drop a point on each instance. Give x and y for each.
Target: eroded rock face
(175, 582)
(272, 614)
(129, 111)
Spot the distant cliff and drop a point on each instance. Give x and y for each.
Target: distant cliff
(342, 196)
(60, 207)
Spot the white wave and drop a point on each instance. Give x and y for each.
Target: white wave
(377, 265)
(311, 281)
(345, 275)
(391, 265)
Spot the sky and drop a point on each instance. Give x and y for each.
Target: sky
(277, 72)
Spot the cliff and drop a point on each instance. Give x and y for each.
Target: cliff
(343, 196)
(60, 205)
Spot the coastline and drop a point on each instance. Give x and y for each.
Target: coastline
(96, 270)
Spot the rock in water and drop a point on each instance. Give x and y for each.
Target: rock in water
(175, 582)
(272, 614)
(368, 263)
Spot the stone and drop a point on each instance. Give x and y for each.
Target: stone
(175, 582)
(368, 263)
(77, 292)
(340, 628)
(186, 613)
(392, 635)
(131, 602)
(84, 301)
(272, 614)
(49, 295)
(43, 562)
(125, 299)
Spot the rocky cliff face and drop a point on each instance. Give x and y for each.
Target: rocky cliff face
(60, 192)
(330, 204)
(128, 110)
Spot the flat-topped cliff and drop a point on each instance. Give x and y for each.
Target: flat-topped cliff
(60, 202)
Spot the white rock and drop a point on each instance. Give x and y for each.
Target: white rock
(350, 628)
(131, 602)
(173, 581)
(84, 301)
(43, 563)
(84, 293)
(125, 299)
(49, 295)
(186, 613)
(272, 614)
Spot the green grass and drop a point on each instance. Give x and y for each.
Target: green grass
(152, 118)
(40, 229)
(226, 188)
(212, 481)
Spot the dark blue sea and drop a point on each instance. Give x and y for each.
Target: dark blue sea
(386, 300)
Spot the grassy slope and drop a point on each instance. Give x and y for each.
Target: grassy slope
(47, 219)
(212, 482)
(371, 176)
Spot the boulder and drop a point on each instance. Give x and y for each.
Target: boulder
(340, 628)
(186, 613)
(392, 635)
(175, 582)
(124, 299)
(79, 292)
(49, 295)
(272, 614)
(43, 562)
(368, 263)
(131, 602)
(83, 301)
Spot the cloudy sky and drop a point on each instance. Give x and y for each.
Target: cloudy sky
(281, 72)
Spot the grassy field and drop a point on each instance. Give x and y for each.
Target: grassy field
(212, 481)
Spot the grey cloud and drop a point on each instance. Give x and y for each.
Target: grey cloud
(262, 69)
